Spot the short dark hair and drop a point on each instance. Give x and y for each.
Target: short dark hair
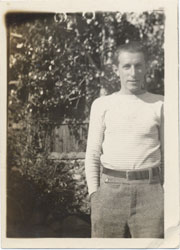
(133, 47)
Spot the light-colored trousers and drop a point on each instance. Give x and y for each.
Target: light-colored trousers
(123, 207)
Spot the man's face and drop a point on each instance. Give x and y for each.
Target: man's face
(131, 70)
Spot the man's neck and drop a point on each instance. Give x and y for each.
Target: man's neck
(125, 92)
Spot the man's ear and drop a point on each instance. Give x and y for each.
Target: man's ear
(115, 69)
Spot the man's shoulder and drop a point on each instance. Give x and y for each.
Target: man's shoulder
(103, 101)
(155, 97)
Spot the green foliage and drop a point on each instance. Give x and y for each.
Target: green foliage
(58, 64)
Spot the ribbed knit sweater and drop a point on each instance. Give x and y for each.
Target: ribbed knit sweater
(125, 132)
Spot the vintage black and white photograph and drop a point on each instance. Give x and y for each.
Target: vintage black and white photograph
(85, 124)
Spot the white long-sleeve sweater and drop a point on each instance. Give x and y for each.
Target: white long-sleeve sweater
(125, 132)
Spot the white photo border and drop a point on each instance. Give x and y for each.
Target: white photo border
(172, 180)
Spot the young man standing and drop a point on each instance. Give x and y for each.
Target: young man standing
(125, 152)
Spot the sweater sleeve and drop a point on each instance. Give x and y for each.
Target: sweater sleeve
(161, 133)
(94, 144)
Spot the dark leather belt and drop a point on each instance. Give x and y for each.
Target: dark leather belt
(131, 174)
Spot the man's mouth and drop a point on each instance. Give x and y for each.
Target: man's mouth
(132, 80)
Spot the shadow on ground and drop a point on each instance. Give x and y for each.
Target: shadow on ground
(72, 226)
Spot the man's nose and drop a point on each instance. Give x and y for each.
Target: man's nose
(133, 71)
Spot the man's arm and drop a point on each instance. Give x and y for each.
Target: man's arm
(94, 145)
(162, 142)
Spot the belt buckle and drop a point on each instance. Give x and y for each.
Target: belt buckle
(127, 174)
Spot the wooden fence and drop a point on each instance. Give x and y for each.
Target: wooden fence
(69, 142)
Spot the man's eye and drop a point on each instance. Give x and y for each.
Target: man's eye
(126, 66)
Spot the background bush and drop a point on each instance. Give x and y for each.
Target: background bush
(58, 64)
